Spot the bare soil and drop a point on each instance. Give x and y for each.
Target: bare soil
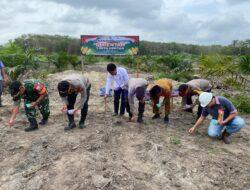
(111, 153)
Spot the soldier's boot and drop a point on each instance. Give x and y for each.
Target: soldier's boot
(44, 121)
(156, 116)
(71, 123)
(33, 125)
(166, 119)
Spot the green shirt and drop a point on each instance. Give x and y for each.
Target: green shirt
(33, 88)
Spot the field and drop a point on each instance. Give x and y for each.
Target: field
(111, 153)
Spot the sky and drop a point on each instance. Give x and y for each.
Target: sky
(203, 22)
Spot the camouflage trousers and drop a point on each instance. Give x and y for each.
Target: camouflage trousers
(43, 107)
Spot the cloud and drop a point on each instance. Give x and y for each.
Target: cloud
(188, 21)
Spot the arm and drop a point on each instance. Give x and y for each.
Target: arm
(131, 103)
(229, 118)
(198, 122)
(14, 113)
(4, 75)
(108, 84)
(82, 100)
(42, 91)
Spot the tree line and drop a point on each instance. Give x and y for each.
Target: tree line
(55, 44)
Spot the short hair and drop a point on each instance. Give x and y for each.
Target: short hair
(182, 88)
(140, 92)
(63, 87)
(154, 91)
(15, 87)
(111, 67)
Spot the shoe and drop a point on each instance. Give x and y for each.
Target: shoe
(139, 120)
(33, 125)
(166, 119)
(115, 114)
(43, 122)
(226, 137)
(70, 126)
(156, 116)
(81, 125)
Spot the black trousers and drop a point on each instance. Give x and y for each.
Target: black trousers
(71, 104)
(141, 109)
(123, 94)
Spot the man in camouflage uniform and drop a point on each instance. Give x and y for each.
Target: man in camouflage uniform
(35, 94)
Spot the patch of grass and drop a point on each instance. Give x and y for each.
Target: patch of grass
(175, 140)
(240, 101)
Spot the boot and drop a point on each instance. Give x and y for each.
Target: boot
(71, 124)
(139, 119)
(43, 121)
(226, 137)
(81, 122)
(33, 125)
(156, 116)
(166, 119)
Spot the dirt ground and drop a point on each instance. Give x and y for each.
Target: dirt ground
(111, 153)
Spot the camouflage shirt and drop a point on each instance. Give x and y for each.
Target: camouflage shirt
(33, 89)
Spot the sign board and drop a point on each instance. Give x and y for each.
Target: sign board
(109, 45)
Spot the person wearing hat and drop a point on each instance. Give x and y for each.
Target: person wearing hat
(34, 93)
(161, 88)
(68, 89)
(120, 77)
(225, 116)
(136, 87)
(193, 88)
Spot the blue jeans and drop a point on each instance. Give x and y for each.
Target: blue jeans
(214, 129)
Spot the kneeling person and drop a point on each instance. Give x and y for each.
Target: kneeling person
(224, 116)
(136, 87)
(35, 94)
(68, 89)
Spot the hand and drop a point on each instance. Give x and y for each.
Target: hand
(33, 104)
(64, 108)
(75, 111)
(191, 130)
(11, 122)
(221, 122)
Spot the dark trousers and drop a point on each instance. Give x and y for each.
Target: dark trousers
(190, 102)
(141, 109)
(71, 104)
(123, 94)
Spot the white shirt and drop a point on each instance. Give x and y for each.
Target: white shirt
(120, 79)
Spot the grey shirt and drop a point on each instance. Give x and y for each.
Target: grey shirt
(221, 103)
(131, 85)
(200, 84)
(196, 87)
(80, 83)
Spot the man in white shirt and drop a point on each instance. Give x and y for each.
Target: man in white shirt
(120, 77)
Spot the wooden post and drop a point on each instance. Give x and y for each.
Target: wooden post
(82, 62)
